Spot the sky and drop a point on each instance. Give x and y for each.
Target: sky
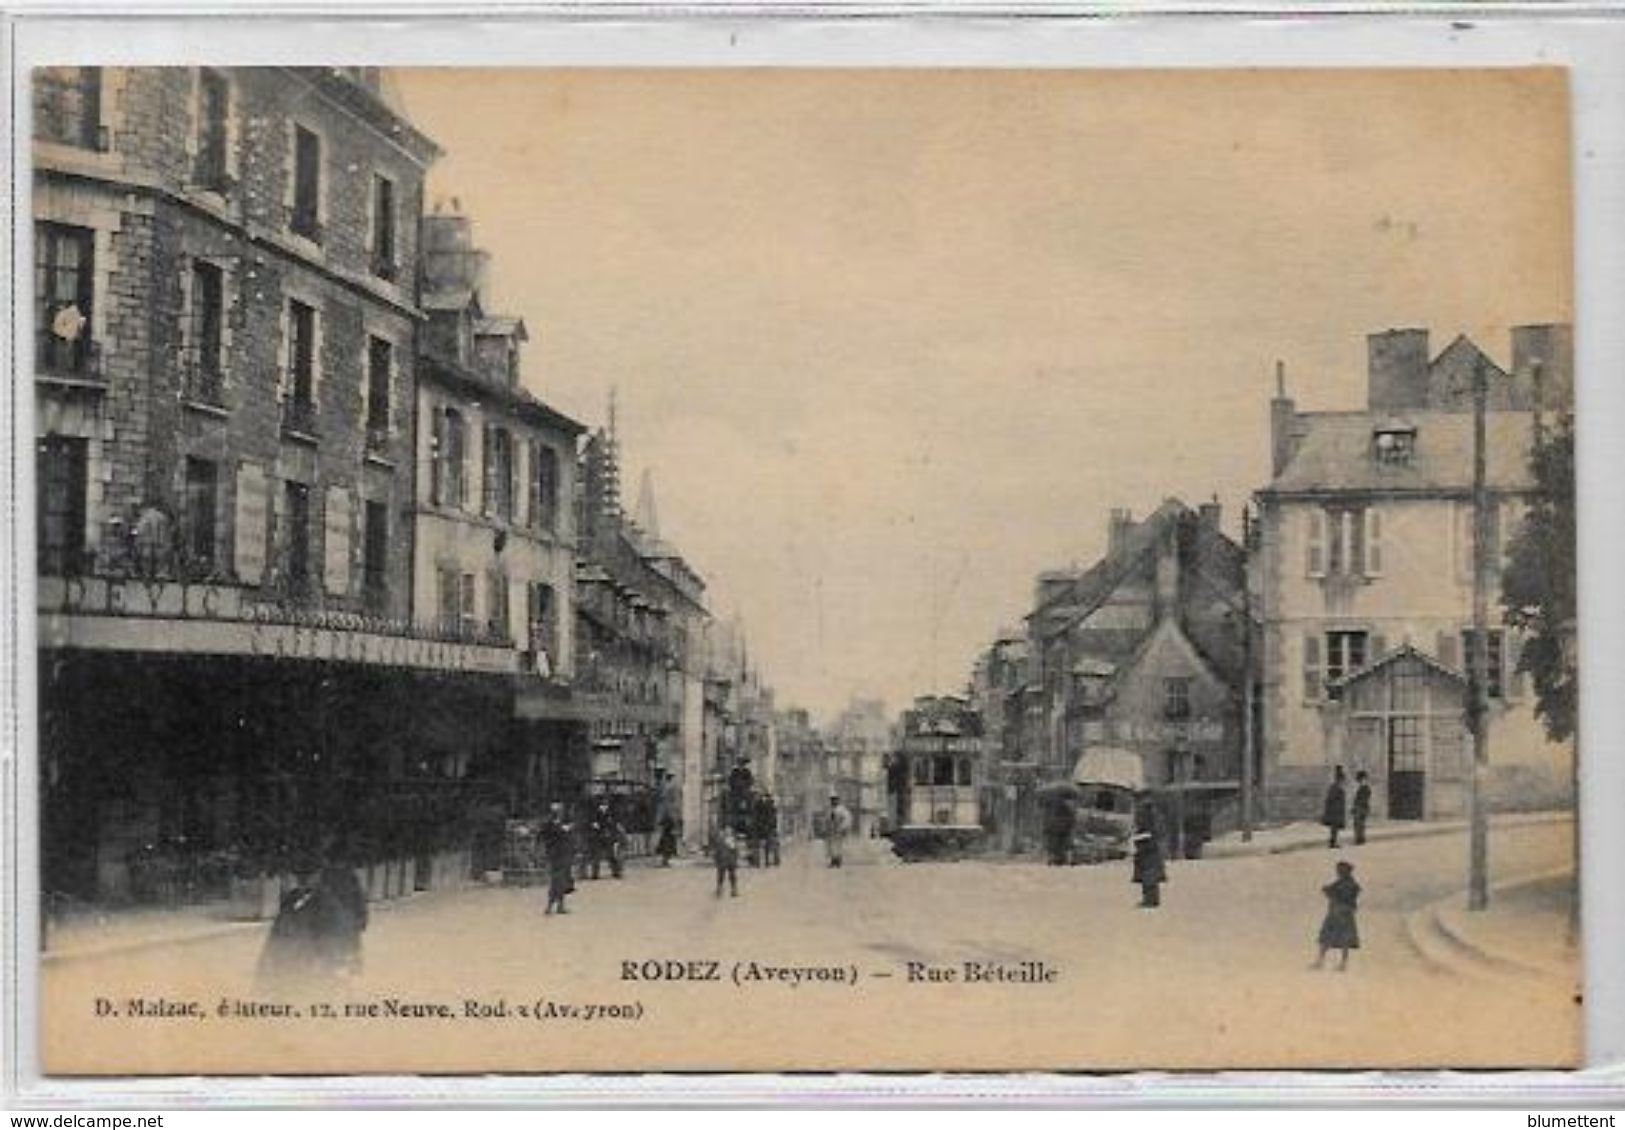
(893, 342)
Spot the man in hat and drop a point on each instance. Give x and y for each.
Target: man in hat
(837, 826)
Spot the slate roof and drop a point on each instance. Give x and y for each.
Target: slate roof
(502, 325)
(1334, 453)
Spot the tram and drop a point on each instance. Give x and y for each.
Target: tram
(935, 781)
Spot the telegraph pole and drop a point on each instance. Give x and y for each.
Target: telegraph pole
(1478, 896)
(1247, 736)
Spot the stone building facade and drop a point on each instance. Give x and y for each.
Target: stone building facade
(1364, 581)
(226, 319)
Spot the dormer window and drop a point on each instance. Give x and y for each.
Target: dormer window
(1394, 443)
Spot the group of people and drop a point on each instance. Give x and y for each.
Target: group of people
(569, 849)
(1339, 929)
(1336, 812)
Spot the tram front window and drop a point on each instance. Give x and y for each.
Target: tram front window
(942, 770)
(922, 770)
(964, 771)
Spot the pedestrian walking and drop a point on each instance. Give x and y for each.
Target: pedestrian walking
(559, 844)
(1338, 930)
(837, 826)
(293, 948)
(605, 837)
(1149, 870)
(1360, 811)
(316, 935)
(725, 853)
(1060, 820)
(1334, 813)
(666, 844)
(765, 830)
(341, 916)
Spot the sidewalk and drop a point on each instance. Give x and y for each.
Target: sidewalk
(100, 932)
(1304, 836)
(1524, 933)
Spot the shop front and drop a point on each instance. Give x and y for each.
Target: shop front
(190, 740)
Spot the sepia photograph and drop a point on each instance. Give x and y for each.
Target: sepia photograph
(778, 569)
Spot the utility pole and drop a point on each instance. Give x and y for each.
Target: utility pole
(1478, 896)
(1247, 736)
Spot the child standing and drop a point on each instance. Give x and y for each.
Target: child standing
(1338, 930)
(725, 850)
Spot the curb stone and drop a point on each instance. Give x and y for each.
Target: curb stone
(1445, 948)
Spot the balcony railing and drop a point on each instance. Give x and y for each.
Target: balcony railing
(205, 383)
(77, 358)
(377, 438)
(209, 172)
(303, 222)
(299, 417)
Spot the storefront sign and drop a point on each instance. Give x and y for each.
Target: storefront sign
(1139, 731)
(172, 616)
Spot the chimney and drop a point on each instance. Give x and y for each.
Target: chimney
(1283, 413)
(1117, 530)
(1543, 367)
(1397, 370)
(1209, 514)
(1168, 572)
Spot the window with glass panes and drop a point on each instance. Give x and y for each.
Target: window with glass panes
(1406, 753)
(307, 183)
(375, 553)
(383, 226)
(60, 481)
(449, 587)
(296, 536)
(202, 510)
(64, 280)
(213, 129)
(68, 106)
(1345, 654)
(1176, 697)
(544, 488)
(301, 365)
(205, 345)
(380, 360)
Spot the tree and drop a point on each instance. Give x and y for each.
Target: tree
(1538, 586)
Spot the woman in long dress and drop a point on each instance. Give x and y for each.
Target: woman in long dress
(1339, 930)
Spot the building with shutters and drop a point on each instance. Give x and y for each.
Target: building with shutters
(1363, 581)
(226, 324)
(640, 655)
(494, 522)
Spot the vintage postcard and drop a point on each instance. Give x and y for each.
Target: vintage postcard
(550, 570)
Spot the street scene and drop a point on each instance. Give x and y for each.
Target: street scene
(802, 570)
(1230, 973)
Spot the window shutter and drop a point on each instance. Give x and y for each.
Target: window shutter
(1449, 652)
(516, 480)
(1317, 543)
(487, 479)
(1337, 542)
(437, 458)
(1516, 681)
(1312, 681)
(1373, 542)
